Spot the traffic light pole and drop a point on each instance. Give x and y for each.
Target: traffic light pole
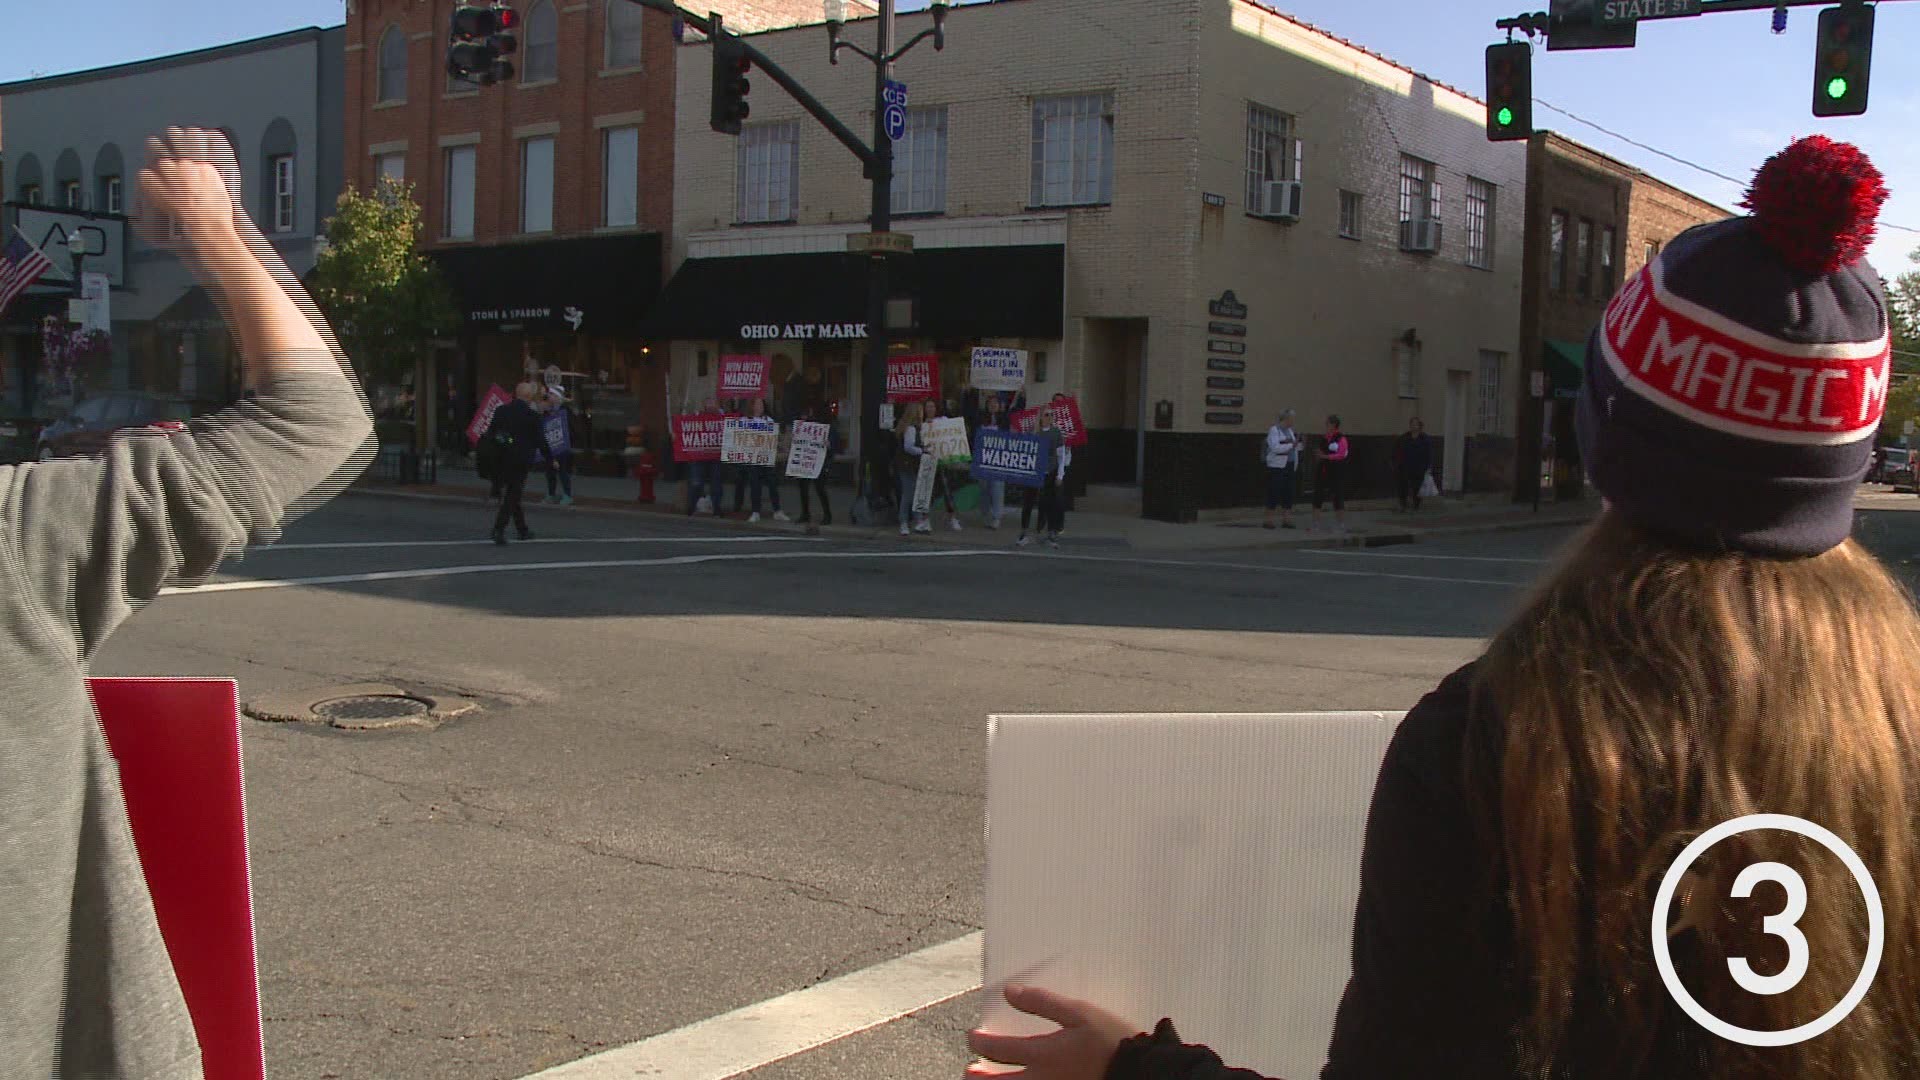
(1540, 22)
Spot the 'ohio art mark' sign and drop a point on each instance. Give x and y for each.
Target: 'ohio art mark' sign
(802, 331)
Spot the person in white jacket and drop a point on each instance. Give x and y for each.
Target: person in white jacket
(1283, 469)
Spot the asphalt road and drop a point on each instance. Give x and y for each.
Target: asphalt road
(712, 769)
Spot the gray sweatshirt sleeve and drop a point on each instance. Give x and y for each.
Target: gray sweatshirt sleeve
(92, 538)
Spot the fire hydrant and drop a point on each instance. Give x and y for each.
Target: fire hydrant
(641, 462)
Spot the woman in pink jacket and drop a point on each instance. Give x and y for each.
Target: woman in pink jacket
(1331, 478)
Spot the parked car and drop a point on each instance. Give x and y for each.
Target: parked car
(93, 422)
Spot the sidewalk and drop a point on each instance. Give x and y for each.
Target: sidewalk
(1369, 523)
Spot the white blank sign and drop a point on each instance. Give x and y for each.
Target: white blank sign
(1203, 867)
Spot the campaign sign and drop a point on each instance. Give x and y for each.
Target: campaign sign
(743, 377)
(923, 484)
(1025, 421)
(559, 440)
(913, 378)
(1020, 460)
(999, 369)
(1066, 417)
(809, 453)
(750, 440)
(947, 440)
(698, 438)
(483, 416)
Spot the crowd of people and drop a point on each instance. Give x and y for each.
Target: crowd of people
(1286, 450)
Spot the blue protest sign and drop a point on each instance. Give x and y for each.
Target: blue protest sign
(554, 427)
(1020, 460)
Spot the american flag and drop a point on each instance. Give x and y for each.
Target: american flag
(21, 264)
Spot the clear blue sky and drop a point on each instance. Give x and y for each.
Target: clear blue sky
(1719, 90)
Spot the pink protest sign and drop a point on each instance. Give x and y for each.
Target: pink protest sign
(483, 416)
(913, 378)
(698, 438)
(743, 377)
(177, 744)
(1066, 417)
(1025, 422)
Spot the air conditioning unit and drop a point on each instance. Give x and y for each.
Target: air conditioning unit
(1421, 235)
(1280, 200)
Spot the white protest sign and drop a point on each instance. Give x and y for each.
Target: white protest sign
(809, 453)
(947, 440)
(886, 414)
(999, 369)
(923, 487)
(750, 441)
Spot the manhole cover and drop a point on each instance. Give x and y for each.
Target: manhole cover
(371, 707)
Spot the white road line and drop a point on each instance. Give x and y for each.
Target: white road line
(1440, 558)
(593, 564)
(1311, 571)
(348, 545)
(758, 1035)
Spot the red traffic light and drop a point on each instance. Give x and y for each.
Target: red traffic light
(505, 18)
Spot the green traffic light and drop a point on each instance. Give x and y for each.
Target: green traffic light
(1505, 116)
(1837, 88)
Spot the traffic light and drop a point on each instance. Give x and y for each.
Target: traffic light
(478, 42)
(731, 63)
(1843, 60)
(1509, 91)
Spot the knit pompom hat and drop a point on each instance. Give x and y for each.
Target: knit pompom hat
(1734, 388)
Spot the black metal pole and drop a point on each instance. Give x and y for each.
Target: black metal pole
(873, 381)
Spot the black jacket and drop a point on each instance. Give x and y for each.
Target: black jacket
(516, 428)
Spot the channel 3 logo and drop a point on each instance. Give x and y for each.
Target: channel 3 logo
(1783, 925)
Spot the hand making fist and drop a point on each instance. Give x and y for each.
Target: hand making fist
(186, 201)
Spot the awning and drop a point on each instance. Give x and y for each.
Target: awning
(1566, 366)
(588, 285)
(958, 293)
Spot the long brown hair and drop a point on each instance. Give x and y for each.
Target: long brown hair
(1647, 693)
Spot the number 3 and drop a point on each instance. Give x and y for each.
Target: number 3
(1784, 926)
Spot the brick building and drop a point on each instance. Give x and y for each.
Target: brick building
(1087, 180)
(546, 198)
(1591, 222)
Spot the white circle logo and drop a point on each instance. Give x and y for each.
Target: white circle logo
(1782, 925)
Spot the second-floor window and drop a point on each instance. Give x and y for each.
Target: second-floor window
(30, 194)
(1352, 206)
(1272, 151)
(1608, 238)
(767, 180)
(391, 166)
(70, 194)
(1419, 189)
(1583, 256)
(459, 192)
(393, 67)
(541, 51)
(920, 164)
(623, 35)
(536, 185)
(1073, 150)
(620, 177)
(112, 195)
(1479, 223)
(282, 193)
(1557, 250)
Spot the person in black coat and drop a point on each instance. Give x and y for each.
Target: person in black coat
(1412, 461)
(516, 434)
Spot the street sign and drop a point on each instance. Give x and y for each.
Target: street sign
(1575, 24)
(882, 243)
(1617, 12)
(895, 112)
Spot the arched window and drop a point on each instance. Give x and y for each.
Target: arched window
(393, 66)
(27, 181)
(109, 181)
(623, 35)
(279, 162)
(542, 44)
(69, 188)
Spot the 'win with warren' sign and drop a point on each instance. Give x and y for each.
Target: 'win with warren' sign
(1020, 460)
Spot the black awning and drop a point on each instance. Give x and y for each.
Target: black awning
(591, 284)
(959, 293)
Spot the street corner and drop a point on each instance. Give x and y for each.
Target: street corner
(361, 707)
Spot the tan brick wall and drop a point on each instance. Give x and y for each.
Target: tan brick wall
(1660, 212)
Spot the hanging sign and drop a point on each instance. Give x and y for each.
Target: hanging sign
(743, 377)
(1227, 307)
(999, 369)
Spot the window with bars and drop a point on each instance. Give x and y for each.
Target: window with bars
(920, 163)
(459, 192)
(1607, 241)
(1557, 250)
(1419, 189)
(540, 48)
(1583, 257)
(1493, 366)
(1352, 203)
(620, 177)
(1480, 196)
(1272, 151)
(283, 193)
(623, 35)
(392, 86)
(536, 185)
(1073, 150)
(767, 181)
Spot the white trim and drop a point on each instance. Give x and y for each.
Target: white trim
(381, 149)
(1746, 335)
(1756, 432)
(471, 138)
(529, 131)
(633, 118)
(1020, 230)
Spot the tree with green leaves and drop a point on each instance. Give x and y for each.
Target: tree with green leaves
(387, 302)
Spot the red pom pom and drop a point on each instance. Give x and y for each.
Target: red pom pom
(1815, 202)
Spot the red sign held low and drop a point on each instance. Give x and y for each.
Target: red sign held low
(1066, 416)
(483, 416)
(913, 378)
(698, 438)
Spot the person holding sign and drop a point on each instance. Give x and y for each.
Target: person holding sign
(1330, 482)
(761, 473)
(557, 426)
(818, 416)
(936, 422)
(907, 468)
(1053, 513)
(87, 988)
(1680, 785)
(993, 504)
(516, 430)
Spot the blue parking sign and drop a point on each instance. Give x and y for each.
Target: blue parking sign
(894, 115)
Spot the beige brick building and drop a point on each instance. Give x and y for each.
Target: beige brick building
(1086, 179)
